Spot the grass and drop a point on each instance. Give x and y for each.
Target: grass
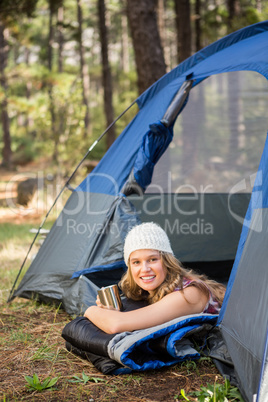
(35, 365)
(15, 234)
(15, 240)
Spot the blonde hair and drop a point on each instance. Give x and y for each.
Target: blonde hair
(175, 273)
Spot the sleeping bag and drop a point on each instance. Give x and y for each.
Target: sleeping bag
(163, 345)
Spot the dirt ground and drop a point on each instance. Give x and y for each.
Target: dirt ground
(31, 343)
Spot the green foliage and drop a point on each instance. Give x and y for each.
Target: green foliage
(24, 150)
(248, 16)
(190, 365)
(34, 384)
(15, 8)
(214, 23)
(183, 395)
(215, 393)
(84, 379)
(33, 133)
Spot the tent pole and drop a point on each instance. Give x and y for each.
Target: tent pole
(10, 297)
(177, 103)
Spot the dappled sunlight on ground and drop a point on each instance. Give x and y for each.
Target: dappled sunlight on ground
(18, 216)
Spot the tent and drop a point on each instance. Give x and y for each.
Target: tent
(135, 182)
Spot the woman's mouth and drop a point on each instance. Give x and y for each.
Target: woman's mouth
(147, 278)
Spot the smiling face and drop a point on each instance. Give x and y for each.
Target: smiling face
(147, 269)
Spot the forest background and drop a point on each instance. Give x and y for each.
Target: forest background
(69, 67)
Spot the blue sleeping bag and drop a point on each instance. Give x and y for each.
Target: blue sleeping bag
(163, 345)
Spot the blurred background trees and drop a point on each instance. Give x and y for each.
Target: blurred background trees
(69, 67)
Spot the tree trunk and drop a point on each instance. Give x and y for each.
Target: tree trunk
(233, 8)
(161, 12)
(7, 153)
(106, 74)
(60, 20)
(54, 133)
(124, 44)
(83, 70)
(184, 32)
(50, 36)
(148, 51)
(60, 37)
(28, 120)
(197, 24)
(259, 5)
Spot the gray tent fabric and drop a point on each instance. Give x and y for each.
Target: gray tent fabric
(89, 232)
(245, 323)
(201, 227)
(81, 294)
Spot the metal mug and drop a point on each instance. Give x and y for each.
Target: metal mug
(109, 296)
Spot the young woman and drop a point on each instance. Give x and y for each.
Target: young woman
(155, 275)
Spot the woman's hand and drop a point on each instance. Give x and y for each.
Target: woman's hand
(99, 304)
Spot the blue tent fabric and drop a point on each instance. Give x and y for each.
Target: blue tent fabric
(245, 49)
(98, 268)
(154, 144)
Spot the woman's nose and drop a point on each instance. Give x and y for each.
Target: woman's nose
(145, 266)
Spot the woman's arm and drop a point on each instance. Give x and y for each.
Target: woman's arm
(173, 305)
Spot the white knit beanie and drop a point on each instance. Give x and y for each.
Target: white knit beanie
(147, 235)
